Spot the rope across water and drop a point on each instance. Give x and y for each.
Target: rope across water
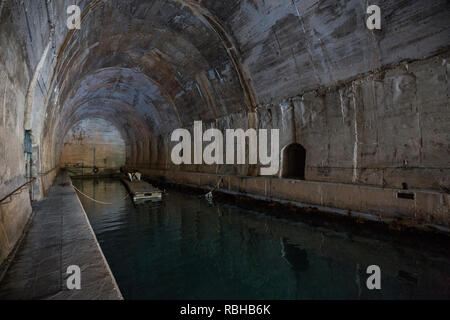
(97, 201)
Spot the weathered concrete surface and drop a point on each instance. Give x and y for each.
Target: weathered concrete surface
(383, 204)
(59, 236)
(14, 214)
(383, 129)
(208, 60)
(370, 107)
(93, 143)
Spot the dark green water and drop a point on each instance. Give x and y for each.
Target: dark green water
(186, 248)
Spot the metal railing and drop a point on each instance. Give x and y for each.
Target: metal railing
(16, 192)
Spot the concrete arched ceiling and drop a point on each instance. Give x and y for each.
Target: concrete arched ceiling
(163, 58)
(176, 61)
(134, 129)
(112, 86)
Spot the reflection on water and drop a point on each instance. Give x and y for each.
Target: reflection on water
(186, 248)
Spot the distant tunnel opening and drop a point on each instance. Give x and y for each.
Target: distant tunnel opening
(92, 147)
(293, 162)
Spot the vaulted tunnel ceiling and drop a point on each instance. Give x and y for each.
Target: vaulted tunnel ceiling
(153, 65)
(149, 66)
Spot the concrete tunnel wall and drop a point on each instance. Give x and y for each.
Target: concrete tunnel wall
(93, 143)
(369, 107)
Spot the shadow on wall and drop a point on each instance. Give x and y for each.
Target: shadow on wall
(293, 162)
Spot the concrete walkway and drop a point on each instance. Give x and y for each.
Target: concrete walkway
(59, 236)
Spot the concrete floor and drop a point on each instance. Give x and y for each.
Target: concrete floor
(59, 236)
(369, 107)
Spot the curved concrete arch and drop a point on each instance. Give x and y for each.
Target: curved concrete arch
(127, 136)
(152, 63)
(111, 120)
(210, 20)
(200, 14)
(107, 116)
(127, 86)
(131, 136)
(370, 107)
(214, 23)
(158, 64)
(121, 111)
(110, 143)
(133, 70)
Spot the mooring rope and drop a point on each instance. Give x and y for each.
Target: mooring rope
(97, 201)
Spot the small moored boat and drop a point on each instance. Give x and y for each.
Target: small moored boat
(141, 190)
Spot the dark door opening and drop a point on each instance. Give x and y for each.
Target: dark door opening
(293, 162)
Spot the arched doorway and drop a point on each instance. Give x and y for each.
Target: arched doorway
(293, 159)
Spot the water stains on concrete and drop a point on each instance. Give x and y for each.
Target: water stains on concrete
(59, 236)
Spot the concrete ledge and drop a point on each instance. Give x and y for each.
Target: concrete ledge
(60, 235)
(428, 208)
